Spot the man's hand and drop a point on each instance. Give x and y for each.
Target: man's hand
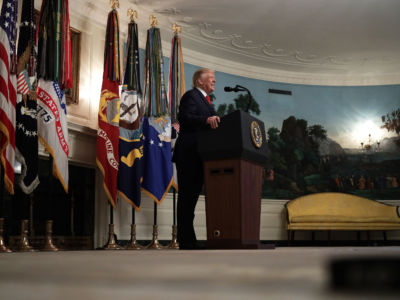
(213, 121)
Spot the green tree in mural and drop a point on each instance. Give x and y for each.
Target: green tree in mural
(241, 102)
(392, 121)
(212, 97)
(276, 146)
(300, 152)
(221, 109)
(317, 131)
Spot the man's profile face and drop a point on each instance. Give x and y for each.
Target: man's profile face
(207, 82)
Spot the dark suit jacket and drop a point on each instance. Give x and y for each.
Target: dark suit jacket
(194, 110)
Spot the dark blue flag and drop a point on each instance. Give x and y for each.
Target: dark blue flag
(130, 127)
(157, 176)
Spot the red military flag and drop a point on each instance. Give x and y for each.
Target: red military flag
(108, 132)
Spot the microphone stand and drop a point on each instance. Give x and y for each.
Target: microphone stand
(239, 88)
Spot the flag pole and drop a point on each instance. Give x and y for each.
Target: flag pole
(155, 244)
(174, 242)
(131, 83)
(108, 128)
(175, 92)
(24, 245)
(49, 245)
(2, 201)
(133, 244)
(72, 214)
(111, 243)
(31, 206)
(3, 247)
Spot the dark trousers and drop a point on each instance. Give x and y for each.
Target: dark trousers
(190, 183)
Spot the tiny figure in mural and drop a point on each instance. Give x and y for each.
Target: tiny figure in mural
(370, 183)
(351, 179)
(388, 181)
(361, 183)
(338, 182)
(382, 182)
(395, 183)
(270, 175)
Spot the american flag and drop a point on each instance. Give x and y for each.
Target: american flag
(23, 83)
(8, 93)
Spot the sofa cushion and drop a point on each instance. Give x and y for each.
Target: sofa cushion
(344, 226)
(343, 219)
(339, 206)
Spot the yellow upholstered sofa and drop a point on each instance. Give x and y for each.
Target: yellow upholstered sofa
(339, 211)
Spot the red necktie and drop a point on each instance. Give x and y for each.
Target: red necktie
(208, 99)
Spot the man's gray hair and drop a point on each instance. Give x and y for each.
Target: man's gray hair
(198, 74)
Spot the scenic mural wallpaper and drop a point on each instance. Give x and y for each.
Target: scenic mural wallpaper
(322, 138)
(325, 139)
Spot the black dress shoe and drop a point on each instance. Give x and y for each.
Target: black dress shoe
(191, 246)
(187, 246)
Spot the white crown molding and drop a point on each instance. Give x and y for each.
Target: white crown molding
(261, 73)
(201, 34)
(346, 73)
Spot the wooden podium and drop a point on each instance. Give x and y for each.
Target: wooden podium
(234, 155)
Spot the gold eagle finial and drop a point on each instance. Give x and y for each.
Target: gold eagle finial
(114, 4)
(153, 21)
(132, 14)
(176, 28)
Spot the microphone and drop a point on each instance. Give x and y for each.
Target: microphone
(232, 89)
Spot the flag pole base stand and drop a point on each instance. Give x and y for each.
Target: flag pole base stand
(133, 244)
(49, 245)
(3, 247)
(111, 244)
(24, 245)
(174, 242)
(155, 245)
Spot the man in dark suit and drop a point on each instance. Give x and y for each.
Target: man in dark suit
(195, 114)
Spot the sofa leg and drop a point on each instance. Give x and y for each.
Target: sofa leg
(289, 237)
(313, 235)
(384, 236)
